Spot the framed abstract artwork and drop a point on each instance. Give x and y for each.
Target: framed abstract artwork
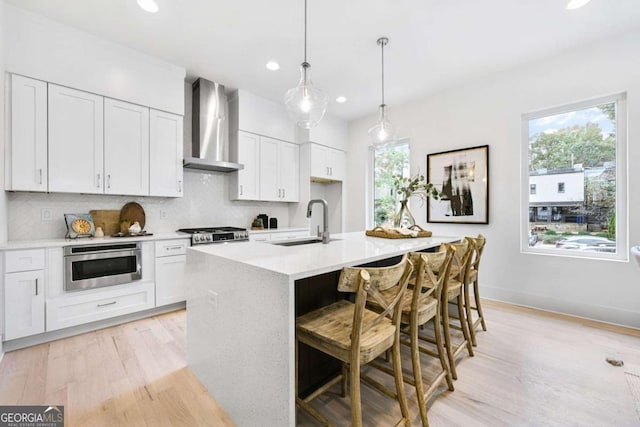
(462, 178)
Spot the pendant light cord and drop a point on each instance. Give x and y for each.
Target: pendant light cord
(382, 45)
(305, 31)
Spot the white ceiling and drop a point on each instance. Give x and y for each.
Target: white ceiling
(434, 44)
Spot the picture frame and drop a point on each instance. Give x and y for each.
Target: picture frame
(462, 178)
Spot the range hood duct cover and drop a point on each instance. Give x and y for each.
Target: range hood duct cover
(210, 129)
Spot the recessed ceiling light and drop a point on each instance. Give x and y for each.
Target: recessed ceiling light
(148, 5)
(341, 99)
(273, 65)
(576, 4)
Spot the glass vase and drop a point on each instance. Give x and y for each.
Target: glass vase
(403, 218)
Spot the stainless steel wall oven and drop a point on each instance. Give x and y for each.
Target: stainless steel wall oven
(96, 266)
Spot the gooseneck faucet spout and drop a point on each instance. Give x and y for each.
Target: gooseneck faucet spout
(325, 218)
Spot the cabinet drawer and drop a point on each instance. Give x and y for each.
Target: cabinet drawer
(23, 260)
(65, 311)
(260, 237)
(171, 247)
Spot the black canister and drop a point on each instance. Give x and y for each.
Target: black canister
(265, 220)
(273, 223)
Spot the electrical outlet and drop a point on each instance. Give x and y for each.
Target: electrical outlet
(46, 215)
(163, 214)
(213, 299)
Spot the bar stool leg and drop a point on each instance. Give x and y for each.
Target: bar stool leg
(417, 372)
(463, 323)
(354, 391)
(476, 297)
(398, 377)
(467, 306)
(343, 382)
(441, 350)
(447, 337)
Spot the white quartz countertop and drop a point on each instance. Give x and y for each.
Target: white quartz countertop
(277, 230)
(57, 243)
(301, 261)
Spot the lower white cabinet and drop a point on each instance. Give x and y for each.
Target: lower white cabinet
(171, 261)
(90, 306)
(276, 234)
(24, 304)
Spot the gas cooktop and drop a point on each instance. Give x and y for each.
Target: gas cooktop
(208, 235)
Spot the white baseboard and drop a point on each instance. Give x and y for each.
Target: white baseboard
(600, 313)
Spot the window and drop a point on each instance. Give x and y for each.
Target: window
(574, 166)
(388, 161)
(561, 187)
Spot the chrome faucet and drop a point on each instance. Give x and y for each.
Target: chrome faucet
(325, 219)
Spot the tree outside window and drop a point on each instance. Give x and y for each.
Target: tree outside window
(388, 161)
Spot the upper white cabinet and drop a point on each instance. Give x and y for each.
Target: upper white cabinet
(279, 170)
(327, 163)
(126, 148)
(75, 141)
(27, 160)
(166, 154)
(245, 183)
(261, 116)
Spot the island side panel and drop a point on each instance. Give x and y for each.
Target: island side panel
(240, 342)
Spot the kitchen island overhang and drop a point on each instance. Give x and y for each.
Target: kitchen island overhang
(241, 315)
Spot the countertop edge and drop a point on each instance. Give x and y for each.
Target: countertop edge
(58, 243)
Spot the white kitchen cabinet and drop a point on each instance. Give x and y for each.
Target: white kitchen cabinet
(327, 163)
(165, 177)
(75, 141)
(260, 116)
(171, 261)
(279, 170)
(245, 183)
(27, 169)
(78, 308)
(24, 289)
(126, 148)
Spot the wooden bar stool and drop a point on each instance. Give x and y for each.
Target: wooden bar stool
(420, 305)
(356, 335)
(472, 279)
(453, 292)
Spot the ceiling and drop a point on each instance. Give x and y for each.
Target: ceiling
(434, 44)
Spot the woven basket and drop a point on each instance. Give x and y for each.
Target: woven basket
(386, 233)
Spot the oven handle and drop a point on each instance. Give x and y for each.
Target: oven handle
(103, 255)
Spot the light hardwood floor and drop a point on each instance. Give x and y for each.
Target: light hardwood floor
(530, 369)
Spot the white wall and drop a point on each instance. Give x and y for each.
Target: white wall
(488, 111)
(47, 50)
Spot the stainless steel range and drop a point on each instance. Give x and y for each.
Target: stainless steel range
(208, 235)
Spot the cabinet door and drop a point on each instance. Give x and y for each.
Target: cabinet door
(269, 169)
(170, 273)
(319, 168)
(75, 141)
(289, 171)
(126, 148)
(336, 162)
(24, 304)
(166, 154)
(248, 179)
(28, 135)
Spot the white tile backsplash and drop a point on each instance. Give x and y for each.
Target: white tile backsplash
(205, 203)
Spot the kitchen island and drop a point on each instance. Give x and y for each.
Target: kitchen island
(241, 310)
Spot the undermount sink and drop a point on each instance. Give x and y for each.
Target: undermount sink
(297, 242)
(635, 252)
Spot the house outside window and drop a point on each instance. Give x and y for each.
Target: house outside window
(389, 160)
(574, 167)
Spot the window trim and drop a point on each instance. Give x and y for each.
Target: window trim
(622, 165)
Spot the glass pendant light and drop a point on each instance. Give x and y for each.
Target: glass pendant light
(383, 131)
(306, 104)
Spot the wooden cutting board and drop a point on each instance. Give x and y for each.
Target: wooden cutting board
(109, 220)
(133, 212)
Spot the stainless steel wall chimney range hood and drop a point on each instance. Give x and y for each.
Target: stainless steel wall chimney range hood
(210, 129)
